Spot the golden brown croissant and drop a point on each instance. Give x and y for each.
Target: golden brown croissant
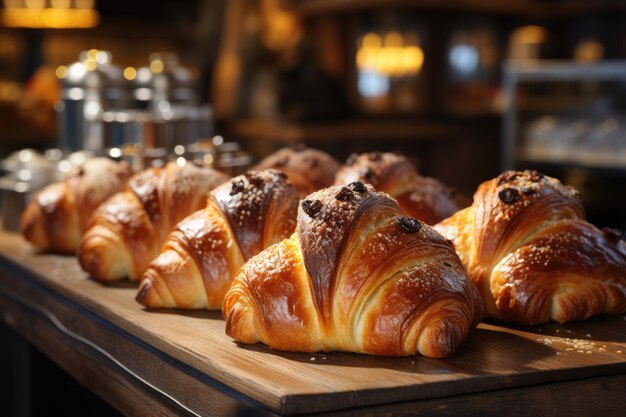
(308, 169)
(203, 253)
(56, 217)
(126, 232)
(532, 255)
(421, 197)
(357, 276)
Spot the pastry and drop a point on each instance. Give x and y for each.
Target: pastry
(126, 232)
(357, 276)
(56, 217)
(424, 198)
(308, 169)
(204, 251)
(531, 254)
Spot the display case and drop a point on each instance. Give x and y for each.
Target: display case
(564, 114)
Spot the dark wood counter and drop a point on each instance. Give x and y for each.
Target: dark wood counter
(180, 362)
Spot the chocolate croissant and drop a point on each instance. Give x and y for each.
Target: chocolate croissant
(308, 169)
(421, 197)
(357, 276)
(126, 232)
(203, 253)
(532, 255)
(56, 217)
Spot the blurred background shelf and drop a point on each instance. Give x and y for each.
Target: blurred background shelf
(345, 131)
(470, 145)
(423, 77)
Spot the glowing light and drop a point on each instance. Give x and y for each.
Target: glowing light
(25, 155)
(115, 152)
(65, 166)
(218, 140)
(589, 51)
(102, 57)
(156, 66)
(24, 175)
(394, 57)
(143, 75)
(90, 64)
(412, 60)
(371, 40)
(464, 58)
(530, 34)
(393, 39)
(92, 109)
(75, 93)
(121, 117)
(143, 94)
(525, 42)
(181, 161)
(61, 71)
(21, 187)
(130, 73)
(164, 106)
(179, 149)
(207, 159)
(76, 72)
(60, 14)
(372, 84)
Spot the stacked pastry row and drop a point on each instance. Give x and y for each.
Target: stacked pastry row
(304, 254)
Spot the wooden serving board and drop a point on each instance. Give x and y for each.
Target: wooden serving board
(495, 357)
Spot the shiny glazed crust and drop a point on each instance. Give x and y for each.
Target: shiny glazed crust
(126, 232)
(532, 255)
(56, 217)
(421, 197)
(357, 276)
(307, 169)
(203, 253)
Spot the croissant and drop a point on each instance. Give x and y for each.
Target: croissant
(421, 197)
(532, 255)
(56, 217)
(357, 276)
(203, 253)
(126, 232)
(307, 169)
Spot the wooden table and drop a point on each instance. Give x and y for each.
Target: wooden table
(180, 362)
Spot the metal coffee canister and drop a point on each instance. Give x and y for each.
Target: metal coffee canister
(91, 86)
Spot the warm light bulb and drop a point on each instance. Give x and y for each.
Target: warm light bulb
(371, 40)
(156, 66)
(393, 39)
(61, 71)
(92, 54)
(130, 73)
(90, 64)
(413, 59)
